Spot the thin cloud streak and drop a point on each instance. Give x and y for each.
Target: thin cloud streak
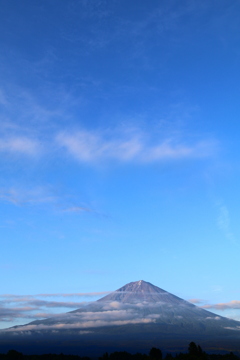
(196, 301)
(234, 304)
(77, 209)
(89, 147)
(98, 293)
(224, 223)
(20, 145)
(90, 319)
(31, 307)
(7, 298)
(89, 324)
(30, 136)
(23, 196)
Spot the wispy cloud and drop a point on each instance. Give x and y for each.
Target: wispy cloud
(13, 307)
(40, 195)
(196, 301)
(20, 145)
(28, 307)
(30, 129)
(37, 307)
(234, 304)
(23, 196)
(23, 298)
(90, 319)
(224, 223)
(213, 318)
(77, 209)
(90, 146)
(233, 328)
(90, 294)
(80, 325)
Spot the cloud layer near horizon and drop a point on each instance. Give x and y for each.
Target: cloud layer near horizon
(234, 304)
(34, 307)
(97, 315)
(29, 307)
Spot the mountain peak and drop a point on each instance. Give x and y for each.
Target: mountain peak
(138, 314)
(141, 291)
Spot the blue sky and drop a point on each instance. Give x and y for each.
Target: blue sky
(119, 152)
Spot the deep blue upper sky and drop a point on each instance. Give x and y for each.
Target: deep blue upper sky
(119, 149)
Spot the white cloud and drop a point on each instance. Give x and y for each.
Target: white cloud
(40, 195)
(77, 209)
(91, 319)
(196, 301)
(23, 196)
(79, 325)
(233, 328)
(20, 145)
(90, 146)
(234, 304)
(115, 304)
(31, 129)
(34, 307)
(213, 318)
(90, 294)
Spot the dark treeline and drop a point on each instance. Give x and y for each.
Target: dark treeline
(195, 352)
(15, 355)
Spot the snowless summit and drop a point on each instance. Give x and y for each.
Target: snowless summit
(141, 291)
(135, 317)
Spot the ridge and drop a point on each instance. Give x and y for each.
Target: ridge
(141, 291)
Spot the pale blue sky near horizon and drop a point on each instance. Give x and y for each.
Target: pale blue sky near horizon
(119, 151)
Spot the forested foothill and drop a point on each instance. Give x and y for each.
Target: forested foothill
(194, 352)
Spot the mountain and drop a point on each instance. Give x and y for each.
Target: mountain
(135, 317)
(141, 291)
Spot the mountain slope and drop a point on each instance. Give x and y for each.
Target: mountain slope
(135, 317)
(140, 291)
(138, 303)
